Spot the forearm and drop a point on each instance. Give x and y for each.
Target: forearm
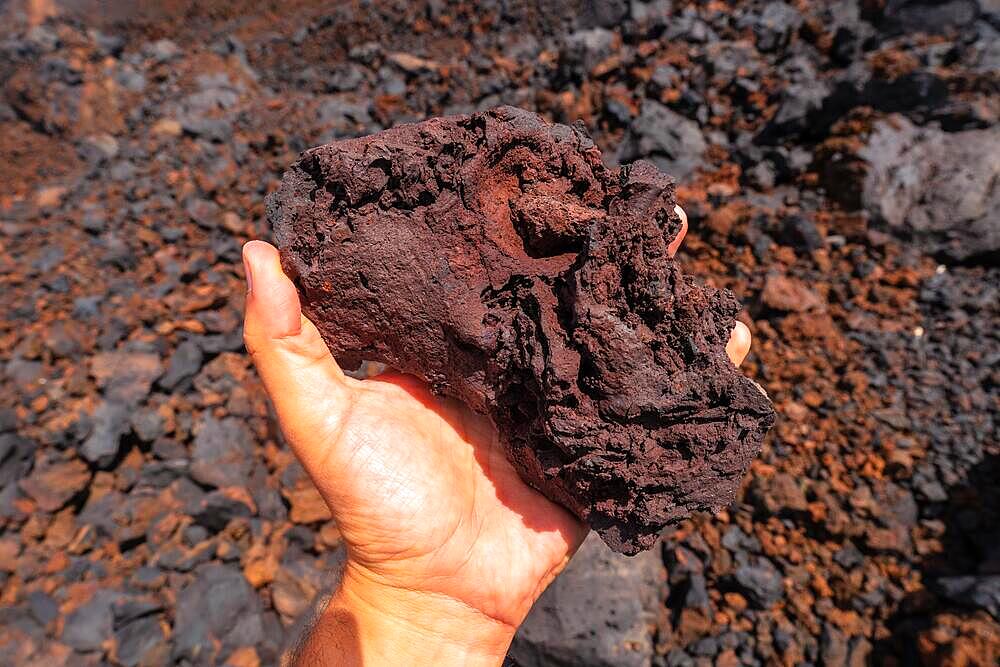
(368, 626)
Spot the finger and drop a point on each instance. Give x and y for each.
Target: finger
(299, 373)
(738, 346)
(676, 243)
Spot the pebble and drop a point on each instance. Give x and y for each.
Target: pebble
(221, 456)
(139, 641)
(53, 484)
(87, 628)
(110, 422)
(184, 364)
(126, 377)
(672, 142)
(761, 583)
(789, 295)
(973, 591)
(218, 610)
(17, 455)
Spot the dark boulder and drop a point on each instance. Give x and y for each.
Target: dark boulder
(599, 612)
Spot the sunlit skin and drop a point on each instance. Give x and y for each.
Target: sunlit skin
(447, 548)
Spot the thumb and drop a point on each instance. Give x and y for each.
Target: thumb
(303, 380)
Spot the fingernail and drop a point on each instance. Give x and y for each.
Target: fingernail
(248, 272)
(681, 213)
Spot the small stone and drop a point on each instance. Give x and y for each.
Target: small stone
(205, 213)
(584, 49)
(932, 17)
(891, 540)
(678, 658)
(90, 625)
(10, 549)
(162, 50)
(801, 233)
(17, 455)
(789, 295)
(149, 578)
(110, 423)
(412, 64)
(345, 77)
(261, 571)
(931, 489)
(222, 454)
(117, 253)
(292, 595)
(195, 535)
(185, 560)
(167, 127)
(697, 594)
(708, 646)
(736, 540)
(761, 583)
(218, 609)
(87, 306)
(860, 653)
(8, 420)
(50, 197)
(43, 607)
(102, 146)
(137, 639)
(776, 25)
(148, 424)
(833, 646)
(219, 507)
(307, 505)
(218, 130)
(848, 556)
(981, 592)
(52, 485)
(169, 449)
(62, 340)
(131, 80)
(938, 188)
(785, 493)
(728, 658)
(126, 376)
(671, 141)
(184, 363)
(232, 222)
(342, 114)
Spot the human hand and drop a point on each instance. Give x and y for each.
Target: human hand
(447, 548)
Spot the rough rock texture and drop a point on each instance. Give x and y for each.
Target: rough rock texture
(495, 256)
(941, 189)
(951, 199)
(597, 584)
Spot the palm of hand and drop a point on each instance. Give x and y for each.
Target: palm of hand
(427, 501)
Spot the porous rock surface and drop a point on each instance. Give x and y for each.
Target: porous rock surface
(496, 256)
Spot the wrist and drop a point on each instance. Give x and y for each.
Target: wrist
(378, 624)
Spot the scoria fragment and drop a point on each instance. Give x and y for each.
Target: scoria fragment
(496, 257)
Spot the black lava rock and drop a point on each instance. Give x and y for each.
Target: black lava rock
(760, 583)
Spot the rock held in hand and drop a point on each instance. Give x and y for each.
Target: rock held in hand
(497, 257)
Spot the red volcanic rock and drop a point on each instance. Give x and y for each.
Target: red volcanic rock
(496, 257)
